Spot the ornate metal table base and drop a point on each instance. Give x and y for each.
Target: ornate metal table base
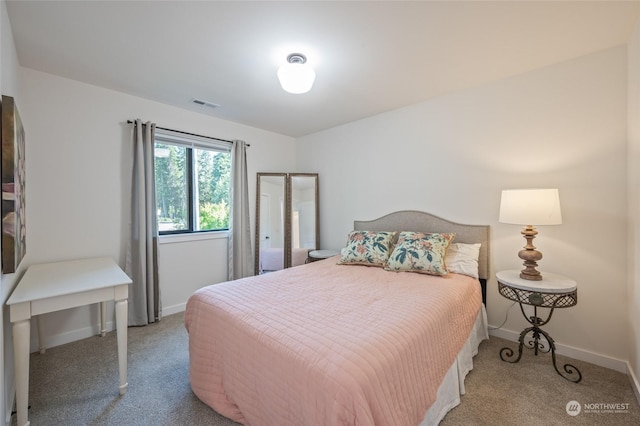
(539, 336)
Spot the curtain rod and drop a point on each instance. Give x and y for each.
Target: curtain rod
(187, 133)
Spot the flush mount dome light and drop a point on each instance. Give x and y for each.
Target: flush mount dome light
(296, 76)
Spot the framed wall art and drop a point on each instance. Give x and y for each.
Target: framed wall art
(13, 187)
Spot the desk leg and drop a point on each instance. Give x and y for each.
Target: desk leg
(21, 337)
(40, 334)
(103, 319)
(121, 329)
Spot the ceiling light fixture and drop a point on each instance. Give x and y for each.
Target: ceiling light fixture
(296, 76)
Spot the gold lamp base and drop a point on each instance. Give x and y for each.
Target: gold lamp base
(530, 256)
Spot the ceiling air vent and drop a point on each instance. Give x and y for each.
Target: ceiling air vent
(204, 103)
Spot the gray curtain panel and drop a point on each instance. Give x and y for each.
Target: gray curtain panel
(240, 253)
(142, 250)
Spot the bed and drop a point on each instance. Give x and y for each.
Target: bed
(341, 344)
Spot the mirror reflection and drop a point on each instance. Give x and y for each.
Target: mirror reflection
(303, 217)
(287, 226)
(270, 249)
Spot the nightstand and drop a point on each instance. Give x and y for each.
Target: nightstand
(553, 291)
(316, 255)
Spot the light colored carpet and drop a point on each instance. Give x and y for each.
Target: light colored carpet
(530, 392)
(77, 384)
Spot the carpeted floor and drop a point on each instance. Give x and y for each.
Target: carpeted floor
(77, 384)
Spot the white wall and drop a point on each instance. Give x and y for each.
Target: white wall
(634, 206)
(563, 126)
(78, 167)
(9, 85)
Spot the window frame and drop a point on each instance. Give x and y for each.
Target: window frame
(190, 142)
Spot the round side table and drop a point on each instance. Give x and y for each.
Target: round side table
(316, 255)
(553, 291)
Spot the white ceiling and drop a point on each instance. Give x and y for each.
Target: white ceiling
(369, 57)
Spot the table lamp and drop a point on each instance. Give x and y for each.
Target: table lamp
(529, 207)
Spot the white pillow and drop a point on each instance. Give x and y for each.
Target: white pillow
(463, 259)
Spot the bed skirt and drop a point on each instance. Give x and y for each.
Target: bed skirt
(452, 386)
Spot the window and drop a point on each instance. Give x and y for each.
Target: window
(193, 177)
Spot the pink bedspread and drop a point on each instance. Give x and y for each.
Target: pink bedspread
(327, 344)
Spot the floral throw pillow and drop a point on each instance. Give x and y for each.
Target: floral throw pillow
(420, 252)
(367, 248)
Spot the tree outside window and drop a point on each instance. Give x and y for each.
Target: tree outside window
(192, 188)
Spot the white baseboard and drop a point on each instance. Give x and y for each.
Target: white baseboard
(571, 352)
(169, 310)
(51, 341)
(633, 379)
(85, 332)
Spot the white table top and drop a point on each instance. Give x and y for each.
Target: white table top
(45, 280)
(550, 283)
(323, 254)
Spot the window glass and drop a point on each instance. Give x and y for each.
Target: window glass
(172, 187)
(192, 186)
(212, 191)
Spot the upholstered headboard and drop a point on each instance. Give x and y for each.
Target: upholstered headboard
(409, 220)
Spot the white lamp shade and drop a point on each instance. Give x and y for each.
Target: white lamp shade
(530, 207)
(296, 78)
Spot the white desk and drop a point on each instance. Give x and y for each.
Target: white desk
(50, 287)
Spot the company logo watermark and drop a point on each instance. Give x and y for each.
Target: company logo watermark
(574, 408)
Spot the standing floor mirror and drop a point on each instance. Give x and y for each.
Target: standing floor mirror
(287, 225)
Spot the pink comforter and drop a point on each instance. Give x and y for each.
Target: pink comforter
(327, 344)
